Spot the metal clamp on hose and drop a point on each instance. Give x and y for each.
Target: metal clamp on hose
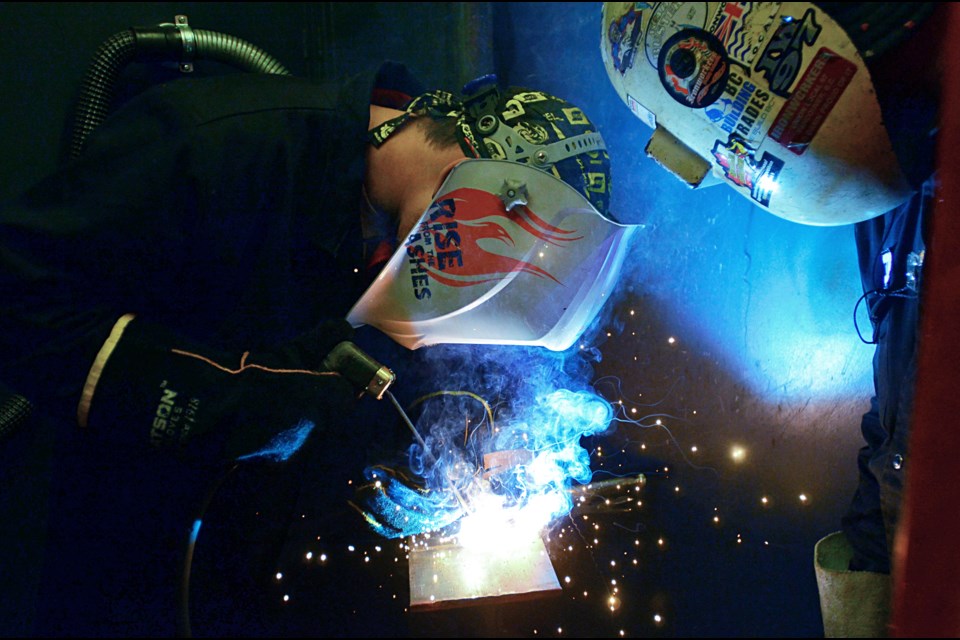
(167, 41)
(189, 40)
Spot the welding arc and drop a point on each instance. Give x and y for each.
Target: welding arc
(423, 445)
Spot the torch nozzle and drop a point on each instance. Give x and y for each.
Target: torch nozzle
(361, 370)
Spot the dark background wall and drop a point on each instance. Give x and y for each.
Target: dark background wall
(732, 328)
(51, 44)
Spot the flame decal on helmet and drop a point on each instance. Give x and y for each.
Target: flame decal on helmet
(468, 238)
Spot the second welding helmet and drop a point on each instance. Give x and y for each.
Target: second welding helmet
(772, 99)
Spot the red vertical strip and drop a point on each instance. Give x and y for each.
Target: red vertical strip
(926, 561)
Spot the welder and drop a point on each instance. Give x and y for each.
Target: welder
(170, 294)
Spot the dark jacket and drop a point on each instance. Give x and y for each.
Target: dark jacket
(224, 209)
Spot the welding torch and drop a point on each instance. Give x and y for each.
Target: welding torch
(369, 376)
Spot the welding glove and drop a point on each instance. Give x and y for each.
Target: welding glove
(395, 503)
(149, 388)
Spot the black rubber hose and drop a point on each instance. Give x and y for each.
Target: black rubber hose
(98, 86)
(14, 411)
(157, 44)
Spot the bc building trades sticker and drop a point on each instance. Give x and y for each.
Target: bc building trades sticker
(812, 101)
(693, 68)
(741, 167)
(743, 109)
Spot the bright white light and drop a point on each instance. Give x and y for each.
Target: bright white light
(493, 527)
(768, 183)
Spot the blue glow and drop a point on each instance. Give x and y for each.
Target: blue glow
(746, 293)
(395, 506)
(767, 300)
(284, 444)
(545, 409)
(195, 530)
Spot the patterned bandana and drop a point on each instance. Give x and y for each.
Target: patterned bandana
(520, 125)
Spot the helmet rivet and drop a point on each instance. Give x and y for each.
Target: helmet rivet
(487, 124)
(540, 157)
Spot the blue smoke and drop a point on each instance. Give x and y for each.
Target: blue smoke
(502, 430)
(283, 445)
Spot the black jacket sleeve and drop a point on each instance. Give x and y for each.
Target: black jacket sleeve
(223, 208)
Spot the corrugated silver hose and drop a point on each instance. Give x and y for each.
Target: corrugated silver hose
(169, 42)
(98, 86)
(236, 52)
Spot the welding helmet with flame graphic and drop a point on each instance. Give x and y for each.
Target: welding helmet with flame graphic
(505, 254)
